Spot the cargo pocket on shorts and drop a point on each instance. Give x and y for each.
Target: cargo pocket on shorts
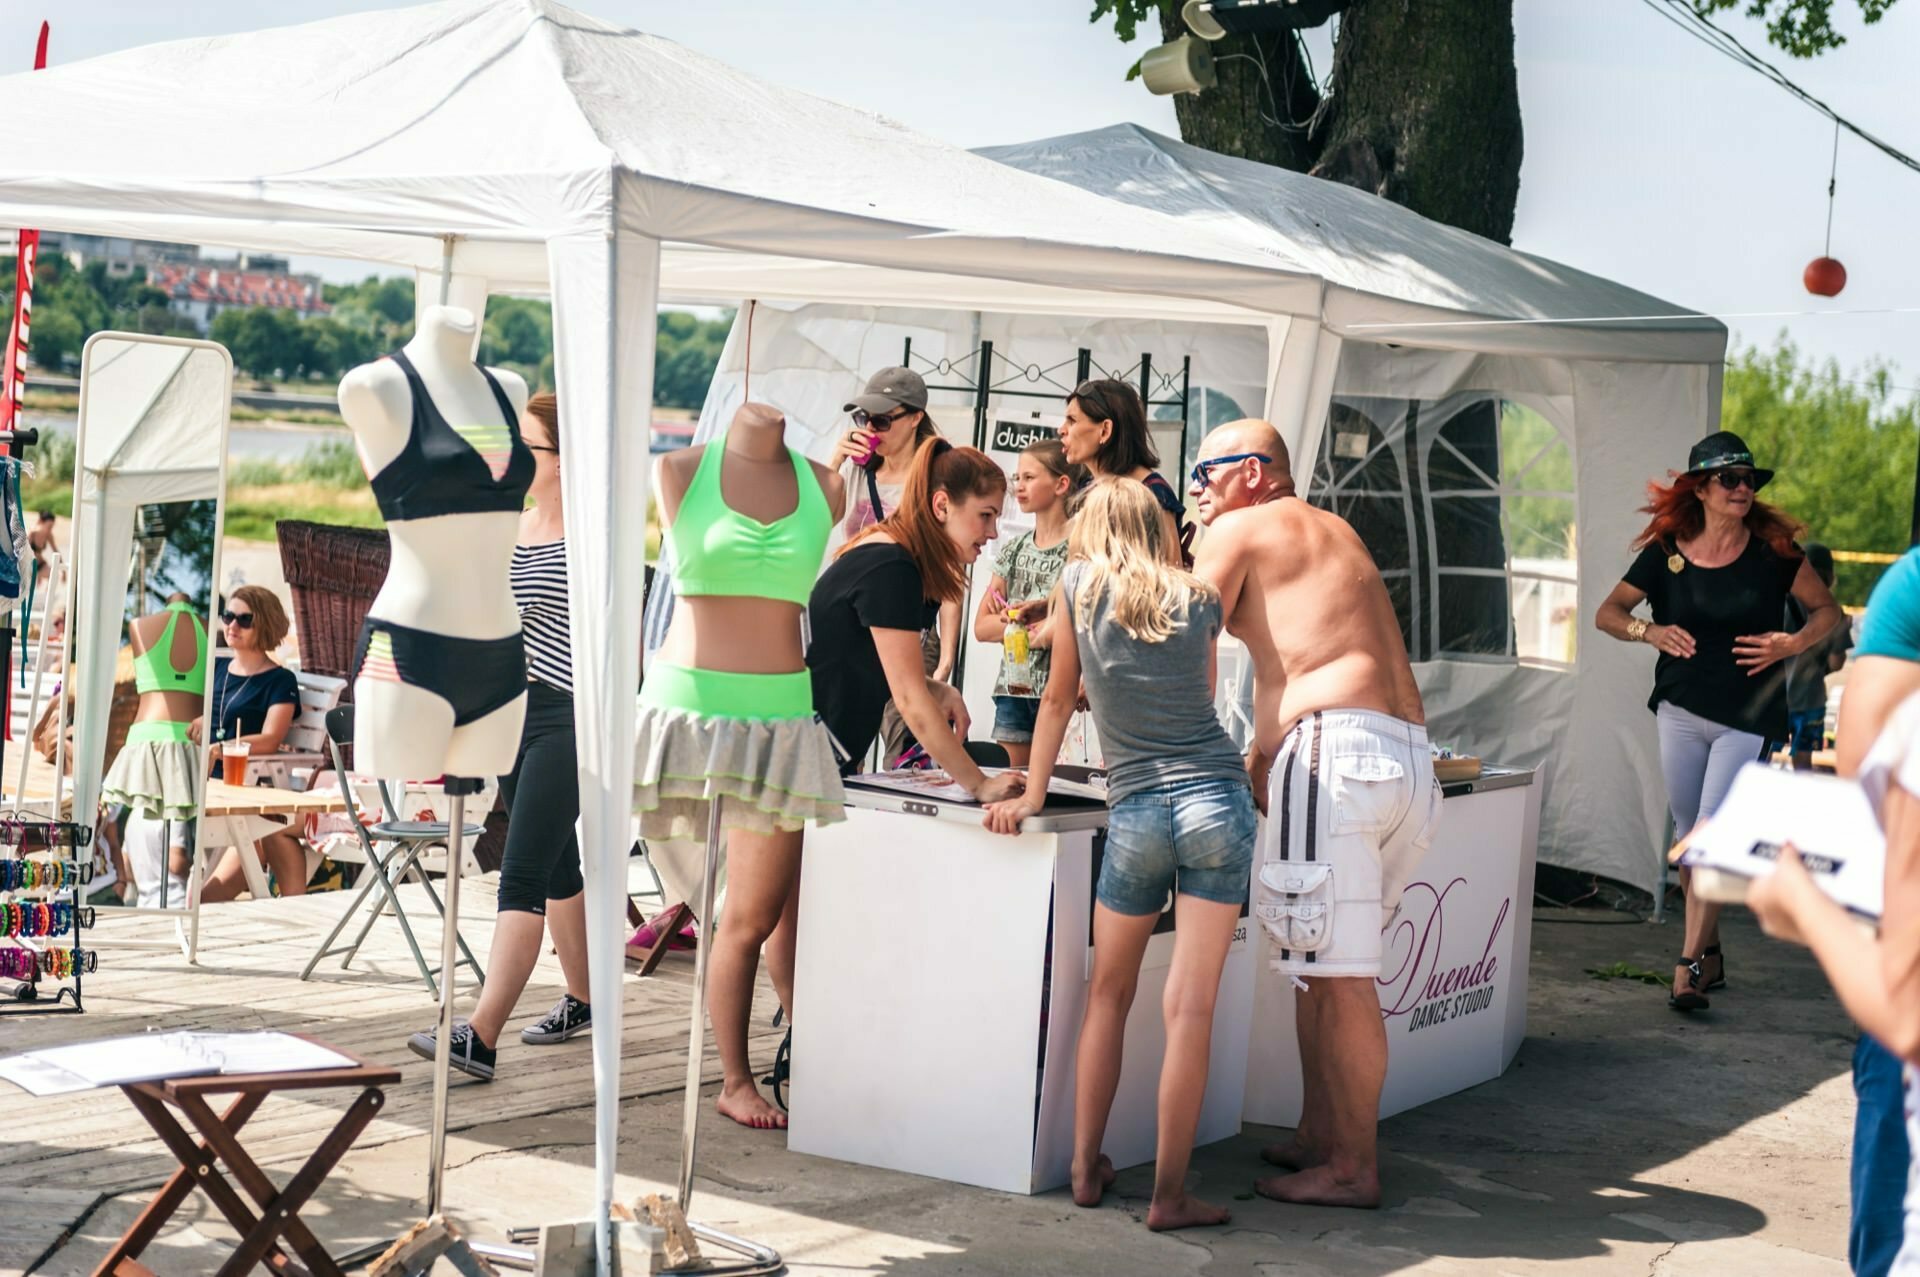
(1366, 792)
(1295, 904)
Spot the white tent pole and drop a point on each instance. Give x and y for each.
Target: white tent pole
(55, 570)
(605, 289)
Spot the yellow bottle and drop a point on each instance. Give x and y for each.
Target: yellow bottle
(1015, 640)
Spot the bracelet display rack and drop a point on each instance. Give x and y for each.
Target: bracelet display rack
(45, 866)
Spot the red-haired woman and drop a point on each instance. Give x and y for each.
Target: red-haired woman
(1717, 564)
(866, 616)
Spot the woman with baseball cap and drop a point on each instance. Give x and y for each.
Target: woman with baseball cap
(1717, 565)
(890, 422)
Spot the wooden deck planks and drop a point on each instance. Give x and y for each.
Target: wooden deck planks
(251, 956)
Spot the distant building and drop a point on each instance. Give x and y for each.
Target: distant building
(198, 293)
(198, 288)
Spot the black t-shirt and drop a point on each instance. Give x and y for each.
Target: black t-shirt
(1717, 606)
(241, 701)
(874, 586)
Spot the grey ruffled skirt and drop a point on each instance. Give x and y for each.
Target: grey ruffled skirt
(774, 775)
(155, 779)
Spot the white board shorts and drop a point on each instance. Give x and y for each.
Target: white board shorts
(1351, 809)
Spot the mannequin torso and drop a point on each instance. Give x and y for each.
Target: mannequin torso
(183, 654)
(757, 479)
(449, 573)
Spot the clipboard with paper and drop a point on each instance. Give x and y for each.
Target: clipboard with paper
(1828, 820)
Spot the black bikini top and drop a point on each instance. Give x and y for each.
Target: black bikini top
(447, 469)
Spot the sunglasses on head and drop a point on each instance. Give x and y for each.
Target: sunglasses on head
(240, 620)
(1734, 480)
(1203, 473)
(881, 421)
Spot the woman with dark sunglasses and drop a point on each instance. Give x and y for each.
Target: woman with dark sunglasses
(255, 699)
(1717, 565)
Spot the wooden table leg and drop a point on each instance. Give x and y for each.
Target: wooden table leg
(280, 1208)
(193, 1167)
(207, 1175)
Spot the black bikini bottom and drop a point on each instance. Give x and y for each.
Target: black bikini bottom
(475, 676)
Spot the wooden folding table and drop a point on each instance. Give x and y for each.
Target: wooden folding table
(261, 1235)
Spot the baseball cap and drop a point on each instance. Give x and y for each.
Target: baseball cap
(891, 388)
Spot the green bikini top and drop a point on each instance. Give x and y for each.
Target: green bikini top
(153, 669)
(719, 551)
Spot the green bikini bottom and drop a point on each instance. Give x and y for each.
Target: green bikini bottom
(722, 694)
(157, 733)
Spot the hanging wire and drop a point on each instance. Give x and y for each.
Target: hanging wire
(1833, 171)
(1682, 15)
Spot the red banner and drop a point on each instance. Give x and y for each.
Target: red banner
(13, 374)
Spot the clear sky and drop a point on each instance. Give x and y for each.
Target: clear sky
(1649, 159)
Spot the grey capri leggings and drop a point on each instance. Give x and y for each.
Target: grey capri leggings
(1699, 758)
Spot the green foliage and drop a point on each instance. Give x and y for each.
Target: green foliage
(332, 464)
(53, 457)
(1535, 460)
(269, 342)
(56, 338)
(686, 351)
(1844, 448)
(1803, 28)
(1127, 16)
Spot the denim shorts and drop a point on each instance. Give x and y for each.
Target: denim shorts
(1194, 837)
(1014, 717)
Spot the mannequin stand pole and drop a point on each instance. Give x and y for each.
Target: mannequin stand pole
(435, 1237)
(457, 789)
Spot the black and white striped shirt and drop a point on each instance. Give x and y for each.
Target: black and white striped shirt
(539, 577)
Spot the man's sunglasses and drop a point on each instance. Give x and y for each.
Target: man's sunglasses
(242, 620)
(1203, 473)
(1734, 480)
(883, 422)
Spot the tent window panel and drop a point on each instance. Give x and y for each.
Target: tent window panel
(1470, 615)
(1359, 477)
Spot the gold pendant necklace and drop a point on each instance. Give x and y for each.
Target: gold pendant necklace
(1675, 563)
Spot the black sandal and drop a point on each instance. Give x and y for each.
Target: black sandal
(1693, 999)
(1719, 981)
(776, 1081)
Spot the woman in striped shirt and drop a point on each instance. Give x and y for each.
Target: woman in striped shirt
(541, 887)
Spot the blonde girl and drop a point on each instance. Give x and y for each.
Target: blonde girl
(1141, 633)
(1024, 573)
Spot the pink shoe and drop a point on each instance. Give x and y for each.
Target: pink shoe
(645, 949)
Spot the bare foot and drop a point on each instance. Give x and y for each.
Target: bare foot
(1185, 1211)
(1294, 1155)
(1319, 1186)
(746, 1106)
(1088, 1189)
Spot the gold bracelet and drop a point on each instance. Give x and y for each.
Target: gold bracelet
(1637, 629)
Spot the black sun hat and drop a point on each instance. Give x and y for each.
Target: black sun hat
(1722, 450)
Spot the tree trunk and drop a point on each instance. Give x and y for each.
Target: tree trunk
(1423, 107)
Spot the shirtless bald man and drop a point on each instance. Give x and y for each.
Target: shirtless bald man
(1341, 759)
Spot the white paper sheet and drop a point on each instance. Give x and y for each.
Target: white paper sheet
(934, 783)
(147, 1057)
(1828, 820)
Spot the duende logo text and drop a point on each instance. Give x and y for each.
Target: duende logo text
(1424, 990)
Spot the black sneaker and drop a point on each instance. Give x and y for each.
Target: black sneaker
(470, 1055)
(569, 1016)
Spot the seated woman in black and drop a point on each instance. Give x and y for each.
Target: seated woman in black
(255, 699)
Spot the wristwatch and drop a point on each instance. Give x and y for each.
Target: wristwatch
(1637, 629)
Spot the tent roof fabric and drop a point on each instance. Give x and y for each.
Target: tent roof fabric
(1360, 243)
(506, 123)
(517, 121)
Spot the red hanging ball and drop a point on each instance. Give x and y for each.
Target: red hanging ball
(1824, 277)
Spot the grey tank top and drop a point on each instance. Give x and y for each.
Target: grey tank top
(1152, 702)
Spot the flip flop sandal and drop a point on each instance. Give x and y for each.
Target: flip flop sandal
(776, 1081)
(651, 942)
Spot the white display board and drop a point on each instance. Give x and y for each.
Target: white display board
(929, 988)
(1453, 989)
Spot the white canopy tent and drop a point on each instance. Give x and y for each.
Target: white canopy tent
(1573, 419)
(516, 145)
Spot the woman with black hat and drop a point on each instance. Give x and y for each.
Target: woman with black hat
(1717, 564)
